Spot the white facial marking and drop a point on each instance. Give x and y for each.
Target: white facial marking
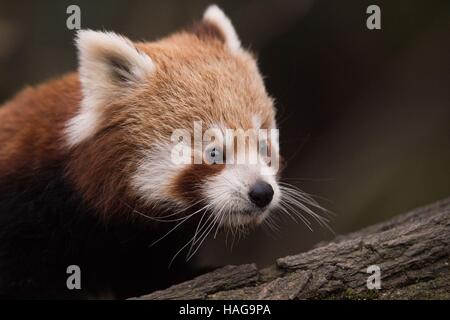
(216, 16)
(153, 177)
(228, 194)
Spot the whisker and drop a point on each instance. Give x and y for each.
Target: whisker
(180, 223)
(222, 213)
(201, 229)
(183, 247)
(298, 202)
(295, 190)
(212, 224)
(161, 218)
(294, 201)
(197, 230)
(297, 214)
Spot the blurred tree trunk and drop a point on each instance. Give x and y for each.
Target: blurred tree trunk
(412, 251)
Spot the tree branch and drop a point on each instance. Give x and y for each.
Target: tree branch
(412, 251)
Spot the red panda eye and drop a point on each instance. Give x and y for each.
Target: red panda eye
(213, 156)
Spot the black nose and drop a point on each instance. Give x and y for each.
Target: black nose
(261, 193)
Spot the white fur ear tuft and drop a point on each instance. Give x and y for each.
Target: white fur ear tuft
(109, 65)
(216, 16)
(105, 55)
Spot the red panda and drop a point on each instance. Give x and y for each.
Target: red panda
(86, 175)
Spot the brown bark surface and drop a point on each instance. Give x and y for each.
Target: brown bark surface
(412, 251)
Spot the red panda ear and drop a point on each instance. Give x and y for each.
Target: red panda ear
(108, 62)
(109, 65)
(214, 16)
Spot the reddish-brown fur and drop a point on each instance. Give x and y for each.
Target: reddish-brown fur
(56, 188)
(32, 129)
(32, 123)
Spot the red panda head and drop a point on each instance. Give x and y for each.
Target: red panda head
(137, 96)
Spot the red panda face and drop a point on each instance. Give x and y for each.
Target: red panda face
(169, 125)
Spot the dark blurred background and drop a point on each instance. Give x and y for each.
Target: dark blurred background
(364, 115)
